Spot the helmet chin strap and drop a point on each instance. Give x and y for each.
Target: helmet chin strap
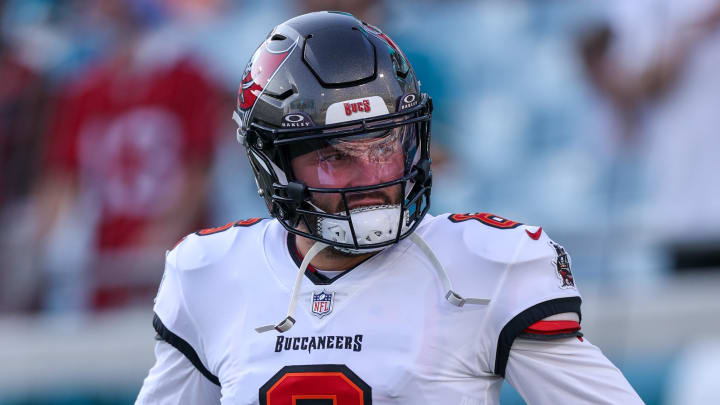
(289, 321)
(453, 297)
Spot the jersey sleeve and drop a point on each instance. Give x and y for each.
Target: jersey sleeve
(568, 370)
(188, 317)
(536, 287)
(174, 380)
(173, 321)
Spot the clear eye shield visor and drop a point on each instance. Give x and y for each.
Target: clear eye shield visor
(358, 185)
(359, 160)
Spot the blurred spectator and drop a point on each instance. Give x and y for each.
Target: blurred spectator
(23, 99)
(656, 62)
(126, 169)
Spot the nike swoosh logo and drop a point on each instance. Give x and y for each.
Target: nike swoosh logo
(535, 235)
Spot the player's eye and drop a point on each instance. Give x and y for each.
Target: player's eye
(332, 156)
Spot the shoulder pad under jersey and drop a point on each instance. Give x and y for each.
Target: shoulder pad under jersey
(179, 297)
(207, 246)
(487, 236)
(525, 274)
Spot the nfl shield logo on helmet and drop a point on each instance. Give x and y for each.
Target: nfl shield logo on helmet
(322, 303)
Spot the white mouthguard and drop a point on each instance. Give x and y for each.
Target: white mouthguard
(373, 224)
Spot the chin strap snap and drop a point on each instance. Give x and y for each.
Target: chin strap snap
(289, 321)
(452, 297)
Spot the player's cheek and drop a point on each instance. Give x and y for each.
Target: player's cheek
(391, 170)
(303, 168)
(328, 202)
(327, 176)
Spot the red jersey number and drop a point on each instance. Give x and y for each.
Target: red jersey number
(486, 218)
(245, 222)
(210, 231)
(316, 384)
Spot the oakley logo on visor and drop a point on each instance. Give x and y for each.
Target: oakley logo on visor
(355, 109)
(296, 120)
(408, 101)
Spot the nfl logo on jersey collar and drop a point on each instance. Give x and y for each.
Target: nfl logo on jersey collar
(322, 303)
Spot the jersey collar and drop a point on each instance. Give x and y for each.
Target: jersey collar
(311, 273)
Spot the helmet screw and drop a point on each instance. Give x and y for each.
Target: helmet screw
(260, 192)
(260, 143)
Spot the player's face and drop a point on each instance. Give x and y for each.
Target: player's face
(360, 160)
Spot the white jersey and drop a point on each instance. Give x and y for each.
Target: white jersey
(380, 333)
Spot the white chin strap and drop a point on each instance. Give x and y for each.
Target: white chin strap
(289, 321)
(453, 297)
(373, 224)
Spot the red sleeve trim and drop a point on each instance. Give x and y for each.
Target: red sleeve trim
(553, 327)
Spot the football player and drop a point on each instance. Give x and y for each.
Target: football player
(352, 293)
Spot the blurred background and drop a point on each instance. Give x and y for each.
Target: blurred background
(597, 120)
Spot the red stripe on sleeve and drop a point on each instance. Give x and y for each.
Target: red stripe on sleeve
(553, 327)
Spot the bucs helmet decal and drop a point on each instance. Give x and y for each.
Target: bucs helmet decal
(258, 72)
(397, 55)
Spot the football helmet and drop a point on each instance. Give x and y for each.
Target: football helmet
(337, 132)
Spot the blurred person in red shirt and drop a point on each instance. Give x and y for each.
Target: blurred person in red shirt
(126, 167)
